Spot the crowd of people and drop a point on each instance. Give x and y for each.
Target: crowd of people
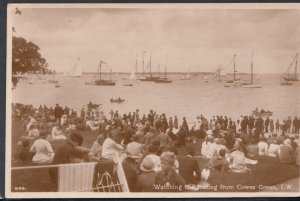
(150, 145)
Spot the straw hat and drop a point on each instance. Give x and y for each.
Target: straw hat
(147, 164)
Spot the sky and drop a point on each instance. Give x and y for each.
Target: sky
(183, 39)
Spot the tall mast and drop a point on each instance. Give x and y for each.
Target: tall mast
(252, 68)
(136, 63)
(150, 65)
(100, 71)
(110, 76)
(296, 64)
(234, 67)
(143, 62)
(166, 68)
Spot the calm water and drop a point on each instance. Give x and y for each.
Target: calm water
(182, 97)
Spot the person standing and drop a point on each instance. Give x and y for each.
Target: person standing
(288, 125)
(294, 124)
(277, 126)
(267, 123)
(175, 122)
(58, 112)
(271, 125)
(171, 124)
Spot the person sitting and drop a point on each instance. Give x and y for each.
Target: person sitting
(262, 147)
(154, 154)
(238, 164)
(96, 150)
(63, 119)
(92, 125)
(189, 168)
(69, 152)
(110, 149)
(135, 149)
(218, 161)
(42, 149)
(273, 149)
(146, 175)
(252, 150)
(168, 175)
(57, 133)
(286, 152)
(23, 151)
(31, 122)
(208, 147)
(33, 131)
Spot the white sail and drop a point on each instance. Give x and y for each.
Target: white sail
(222, 72)
(76, 70)
(132, 76)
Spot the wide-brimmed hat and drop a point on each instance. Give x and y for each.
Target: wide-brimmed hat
(147, 164)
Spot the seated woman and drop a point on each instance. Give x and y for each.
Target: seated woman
(92, 125)
(57, 133)
(238, 164)
(96, 149)
(110, 149)
(262, 147)
(146, 176)
(286, 152)
(252, 149)
(218, 161)
(273, 149)
(135, 148)
(207, 149)
(63, 120)
(168, 175)
(43, 150)
(33, 131)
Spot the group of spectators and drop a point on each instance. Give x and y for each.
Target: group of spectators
(152, 147)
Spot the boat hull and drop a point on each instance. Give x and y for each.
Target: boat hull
(104, 83)
(163, 81)
(252, 86)
(291, 78)
(149, 79)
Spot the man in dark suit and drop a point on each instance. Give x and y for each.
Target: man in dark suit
(188, 165)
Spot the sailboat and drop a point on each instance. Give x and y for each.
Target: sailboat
(133, 75)
(186, 77)
(252, 85)
(234, 82)
(103, 82)
(76, 70)
(164, 79)
(292, 77)
(151, 78)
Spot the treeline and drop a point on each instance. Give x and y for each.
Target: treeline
(26, 58)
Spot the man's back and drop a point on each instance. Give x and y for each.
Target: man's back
(187, 167)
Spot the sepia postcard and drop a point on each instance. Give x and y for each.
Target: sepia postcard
(152, 100)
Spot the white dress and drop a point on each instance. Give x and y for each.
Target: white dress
(43, 151)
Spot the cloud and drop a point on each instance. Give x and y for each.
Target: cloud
(190, 37)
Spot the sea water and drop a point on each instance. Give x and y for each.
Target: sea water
(184, 98)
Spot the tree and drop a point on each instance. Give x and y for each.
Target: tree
(26, 57)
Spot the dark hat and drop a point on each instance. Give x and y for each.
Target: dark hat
(76, 137)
